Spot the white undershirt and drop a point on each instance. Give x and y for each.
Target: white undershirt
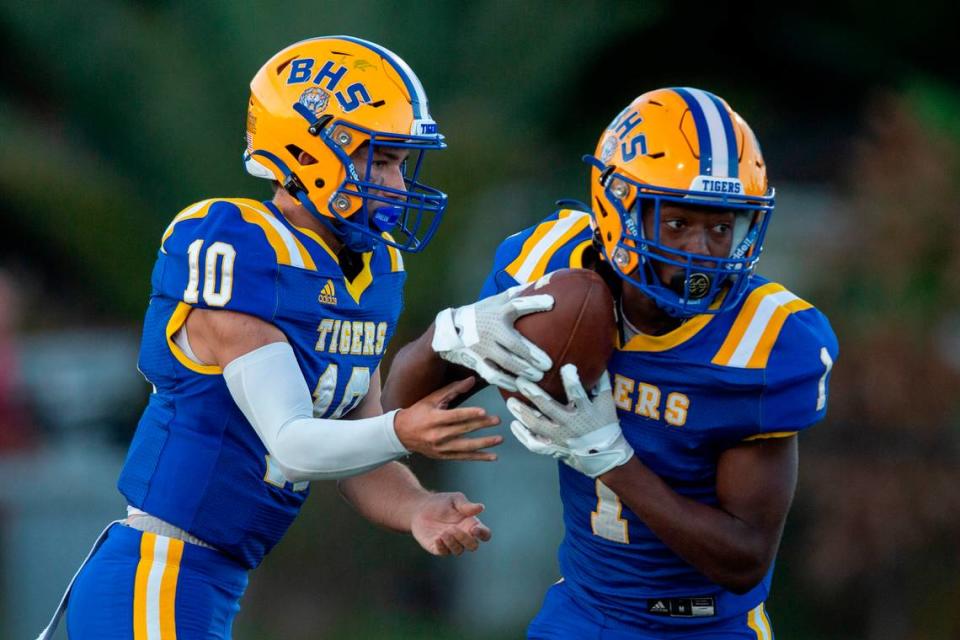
(181, 340)
(629, 331)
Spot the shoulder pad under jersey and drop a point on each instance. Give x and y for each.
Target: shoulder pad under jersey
(558, 242)
(225, 254)
(793, 343)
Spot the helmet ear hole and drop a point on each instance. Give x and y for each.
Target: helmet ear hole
(302, 157)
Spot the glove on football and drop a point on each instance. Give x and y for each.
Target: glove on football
(584, 434)
(481, 337)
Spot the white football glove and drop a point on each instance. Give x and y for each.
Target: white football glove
(481, 336)
(584, 434)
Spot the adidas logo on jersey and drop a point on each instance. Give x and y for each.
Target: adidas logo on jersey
(328, 294)
(659, 607)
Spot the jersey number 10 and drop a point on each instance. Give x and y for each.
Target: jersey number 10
(217, 291)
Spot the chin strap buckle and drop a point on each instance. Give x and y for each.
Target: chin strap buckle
(293, 185)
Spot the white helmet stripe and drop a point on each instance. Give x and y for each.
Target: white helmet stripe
(715, 129)
(417, 95)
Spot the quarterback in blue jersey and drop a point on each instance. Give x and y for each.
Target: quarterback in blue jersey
(263, 340)
(679, 468)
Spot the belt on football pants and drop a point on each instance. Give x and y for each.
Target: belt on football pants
(151, 524)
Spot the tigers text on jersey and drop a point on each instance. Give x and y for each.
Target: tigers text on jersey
(195, 461)
(759, 370)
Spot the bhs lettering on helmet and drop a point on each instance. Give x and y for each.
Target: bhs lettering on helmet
(350, 98)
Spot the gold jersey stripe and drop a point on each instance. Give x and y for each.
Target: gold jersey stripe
(198, 210)
(396, 260)
(546, 239)
(140, 586)
(769, 337)
(283, 253)
(576, 256)
(755, 331)
(176, 321)
(290, 251)
(541, 265)
(771, 435)
(690, 328)
(740, 325)
(528, 246)
(310, 233)
(758, 621)
(359, 284)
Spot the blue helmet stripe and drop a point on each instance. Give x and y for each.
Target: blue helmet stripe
(418, 97)
(733, 163)
(703, 132)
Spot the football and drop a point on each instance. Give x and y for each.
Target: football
(580, 329)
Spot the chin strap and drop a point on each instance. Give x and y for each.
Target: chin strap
(352, 239)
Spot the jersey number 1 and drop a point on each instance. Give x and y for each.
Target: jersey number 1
(606, 521)
(217, 291)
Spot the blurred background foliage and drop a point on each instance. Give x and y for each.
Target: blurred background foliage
(115, 115)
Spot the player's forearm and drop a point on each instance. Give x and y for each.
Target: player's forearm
(387, 496)
(270, 390)
(416, 371)
(726, 549)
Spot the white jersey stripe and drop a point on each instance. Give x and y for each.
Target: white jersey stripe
(288, 239)
(546, 242)
(751, 337)
(718, 137)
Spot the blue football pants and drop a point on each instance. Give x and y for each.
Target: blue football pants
(143, 586)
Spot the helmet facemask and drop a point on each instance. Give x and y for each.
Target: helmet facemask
(703, 284)
(402, 218)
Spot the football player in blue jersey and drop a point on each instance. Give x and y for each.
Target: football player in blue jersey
(680, 466)
(262, 341)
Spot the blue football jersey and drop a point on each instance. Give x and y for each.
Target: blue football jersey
(194, 460)
(760, 370)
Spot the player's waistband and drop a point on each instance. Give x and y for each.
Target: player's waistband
(127, 541)
(143, 521)
(670, 611)
(691, 607)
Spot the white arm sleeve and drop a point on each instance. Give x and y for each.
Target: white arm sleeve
(270, 390)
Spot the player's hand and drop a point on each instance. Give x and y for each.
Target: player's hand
(584, 433)
(481, 337)
(431, 429)
(447, 524)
